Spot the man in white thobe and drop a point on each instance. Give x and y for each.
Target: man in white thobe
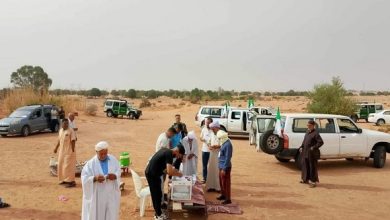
(101, 181)
(163, 140)
(190, 160)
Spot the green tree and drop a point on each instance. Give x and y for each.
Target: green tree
(331, 99)
(95, 92)
(31, 76)
(131, 93)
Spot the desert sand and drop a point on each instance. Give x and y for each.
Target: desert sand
(263, 187)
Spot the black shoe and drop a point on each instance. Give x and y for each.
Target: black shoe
(226, 202)
(222, 197)
(71, 185)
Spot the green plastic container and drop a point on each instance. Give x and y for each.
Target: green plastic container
(125, 159)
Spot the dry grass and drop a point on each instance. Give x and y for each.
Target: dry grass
(145, 103)
(16, 98)
(91, 110)
(384, 128)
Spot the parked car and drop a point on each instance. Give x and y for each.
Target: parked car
(208, 111)
(342, 139)
(365, 109)
(380, 118)
(115, 108)
(26, 120)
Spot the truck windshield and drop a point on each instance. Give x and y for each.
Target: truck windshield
(20, 114)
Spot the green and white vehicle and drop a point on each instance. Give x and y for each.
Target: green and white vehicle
(365, 109)
(115, 108)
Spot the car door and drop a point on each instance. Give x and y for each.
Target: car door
(37, 120)
(327, 129)
(352, 142)
(123, 108)
(235, 121)
(115, 108)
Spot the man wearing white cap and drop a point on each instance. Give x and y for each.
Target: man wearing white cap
(101, 181)
(212, 182)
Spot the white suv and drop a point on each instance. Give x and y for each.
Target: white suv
(342, 138)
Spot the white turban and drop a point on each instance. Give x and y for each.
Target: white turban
(102, 145)
(191, 135)
(222, 136)
(215, 124)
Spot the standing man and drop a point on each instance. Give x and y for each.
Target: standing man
(190, 160)
(160, 164)
(66, 155)
(53, 118)
(72, 123)
(205, 138)
(184, 131)
(225, 167)
(212, 182)
(310, 151)
(100, 178)
(163, 141)
(61, 115)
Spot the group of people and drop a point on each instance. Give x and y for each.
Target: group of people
(177, 155)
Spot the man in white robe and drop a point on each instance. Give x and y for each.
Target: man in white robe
(101, 181)
(190, 160)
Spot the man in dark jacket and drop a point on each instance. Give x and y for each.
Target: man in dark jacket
(184, 131)
(310, 153)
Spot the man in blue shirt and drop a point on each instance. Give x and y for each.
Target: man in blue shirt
(225, 166)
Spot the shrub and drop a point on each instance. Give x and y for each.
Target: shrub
(16, 98)
(331, 99)
(145, 103)
(91, 109)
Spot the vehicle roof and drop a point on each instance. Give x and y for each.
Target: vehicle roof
(304, 115)
(116, 100)
(212, 106)
(370, 103)
(31, 107)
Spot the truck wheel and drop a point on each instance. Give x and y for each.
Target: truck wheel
(354, 118)
(137, 116)
(282, 160)
(349, 159)
(380, 122)
(271, 143)
(380, 157)
(3, 135)
(131, 115)
(25, 131)
(297, 161)
(109, 114)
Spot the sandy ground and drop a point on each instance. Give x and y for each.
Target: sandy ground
(264, 188)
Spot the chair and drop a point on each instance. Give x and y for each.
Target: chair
(141, 191)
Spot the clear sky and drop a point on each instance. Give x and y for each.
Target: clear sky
(241, 45)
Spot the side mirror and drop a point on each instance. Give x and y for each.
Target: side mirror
(360, 131)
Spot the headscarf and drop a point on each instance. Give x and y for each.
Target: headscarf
(222, 136)
(102, 145)
(215, 124)
(191, 135)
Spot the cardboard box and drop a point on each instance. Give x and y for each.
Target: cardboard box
(181, 188)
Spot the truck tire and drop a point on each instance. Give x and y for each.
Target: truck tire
(380, 122)
(109, 113)
(380, 157)
(3, 135)
(282, 160)
(297, 161)
(349, 159)
(137, 117)
(131, 115)
(354, 118)
(271, 143)
(25, 131)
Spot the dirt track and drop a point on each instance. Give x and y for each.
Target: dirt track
(264, 188)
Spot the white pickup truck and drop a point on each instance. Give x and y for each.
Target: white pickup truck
(236, 121)
(342, 138)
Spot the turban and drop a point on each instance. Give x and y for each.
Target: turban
(102, 145)
(191, 135)
(215, 124)
(222, 136)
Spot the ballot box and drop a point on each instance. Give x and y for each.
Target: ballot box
(181, 188)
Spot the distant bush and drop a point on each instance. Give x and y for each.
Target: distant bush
(331, 99)
(145, 103)
(16, 98)
(91, 109)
